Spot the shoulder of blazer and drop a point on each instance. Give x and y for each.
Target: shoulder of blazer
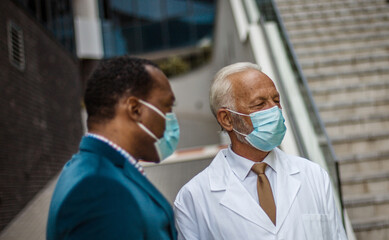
(101, 149)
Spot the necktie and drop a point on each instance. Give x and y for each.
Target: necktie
(265, 193)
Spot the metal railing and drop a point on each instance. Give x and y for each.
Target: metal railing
(269, 13)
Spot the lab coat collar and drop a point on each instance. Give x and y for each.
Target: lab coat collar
(271, 161)
(237, 199)
(219, 172)
(240, 166)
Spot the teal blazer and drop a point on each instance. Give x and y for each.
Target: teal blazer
(100, 195)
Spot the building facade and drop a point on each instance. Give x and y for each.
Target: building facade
(40, 121)
(47, 50)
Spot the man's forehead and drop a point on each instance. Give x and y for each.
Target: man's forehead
(161, 87)
(251, 79)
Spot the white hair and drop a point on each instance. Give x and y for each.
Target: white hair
(220, 94)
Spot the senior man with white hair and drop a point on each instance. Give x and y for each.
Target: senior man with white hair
(253, 190)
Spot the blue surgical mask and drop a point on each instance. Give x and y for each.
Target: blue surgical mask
(269, 128)
(166, 145)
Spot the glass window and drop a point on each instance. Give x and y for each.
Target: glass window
(152, 37)
(177, 8)
(149, 25)
(56, 16)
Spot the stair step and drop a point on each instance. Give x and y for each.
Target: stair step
(348, 67)
(367, 205)
(347, 51)
(345, 88)
(346, 127)
(337, 121)
(367, 18)
(354, 48)
(352, 104)
(345, 60)
(363, 163)
(375, 228)
(356, 185)
(360, 143)
(300, 34)
(333, 13)
(362, 128)
(346, 73)
(355, 110)
(360, 77)
(354, 43)
(360, 137)
(347, 93)
(363, 178)
(321, 2)
(306, 6)
(352, 38)
(311, 1)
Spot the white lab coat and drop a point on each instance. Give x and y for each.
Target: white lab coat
(215, 205)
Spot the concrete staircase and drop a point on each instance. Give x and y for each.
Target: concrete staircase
(343, 48)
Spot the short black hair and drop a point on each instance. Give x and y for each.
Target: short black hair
(111, 80)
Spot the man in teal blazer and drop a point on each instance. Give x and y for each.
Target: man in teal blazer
(102, 192)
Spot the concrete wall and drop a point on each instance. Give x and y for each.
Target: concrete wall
(170, 177)
(198, 126)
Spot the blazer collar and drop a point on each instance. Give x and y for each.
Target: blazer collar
(237, 199)
(103, 149)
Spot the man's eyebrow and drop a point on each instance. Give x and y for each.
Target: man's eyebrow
(264, 97)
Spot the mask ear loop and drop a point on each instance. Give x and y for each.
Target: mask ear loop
(147, 131)
(153, 108)
(244, 135)
(242, 114)
(143, 126)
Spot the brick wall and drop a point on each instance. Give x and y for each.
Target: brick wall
(40, 125)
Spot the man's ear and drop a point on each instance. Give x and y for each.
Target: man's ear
(224, 119)
(133, 108)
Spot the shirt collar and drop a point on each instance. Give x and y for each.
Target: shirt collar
(242, 166)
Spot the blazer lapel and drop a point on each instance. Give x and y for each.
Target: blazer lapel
(132, 173)
(287, 187)
(236, 197)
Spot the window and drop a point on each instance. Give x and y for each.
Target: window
(16, 46)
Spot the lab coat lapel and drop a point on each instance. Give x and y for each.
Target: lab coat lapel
(287, 186)
(236, 197)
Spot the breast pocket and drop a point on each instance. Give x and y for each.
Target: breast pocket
(317, 226)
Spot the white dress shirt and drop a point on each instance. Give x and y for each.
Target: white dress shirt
(242, 169)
